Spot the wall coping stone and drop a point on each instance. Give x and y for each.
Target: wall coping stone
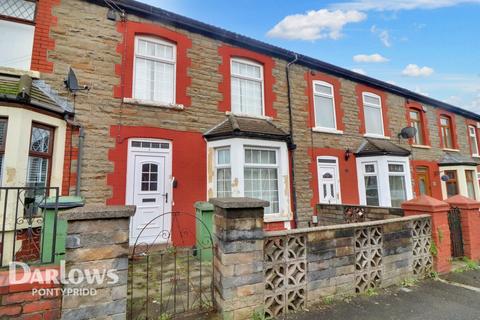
(425, 203)
(203, 205)
(239, 203)
(463, 202)
(97, 212)
(345, 226)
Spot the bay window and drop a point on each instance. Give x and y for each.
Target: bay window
(472, 132)
(469, 175)
(324, 105)
(252, 168)
(261, 176)
(372, 106)
(40, 157)
(452, 183)
(154, 71)
(396, 179)
(371, 184)
(382, 180)
(223, 173)
(247, 87)
(446, 132)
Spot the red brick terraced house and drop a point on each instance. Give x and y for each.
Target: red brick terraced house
(180, 111)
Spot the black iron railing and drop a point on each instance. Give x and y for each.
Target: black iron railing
(28, 224)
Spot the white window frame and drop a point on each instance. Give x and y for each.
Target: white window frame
(473, 139)
(222, 166)
(261, 80)
(382, 174)
(332, 96)
(163, 60)
(373, 95)
(237, 164)
(397, 174)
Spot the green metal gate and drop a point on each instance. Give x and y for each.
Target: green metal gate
(456, 237)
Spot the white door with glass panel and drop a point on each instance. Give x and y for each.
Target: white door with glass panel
(148, 188)
(328, 180)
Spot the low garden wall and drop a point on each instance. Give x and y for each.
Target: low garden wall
(279, 272)
(331, 214)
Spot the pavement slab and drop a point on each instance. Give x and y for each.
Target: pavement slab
(426, 300)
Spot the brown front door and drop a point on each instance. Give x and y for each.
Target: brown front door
(423, 181)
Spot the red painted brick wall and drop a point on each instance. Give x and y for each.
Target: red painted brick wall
(71, 154)
(42, 42)
(18, 301)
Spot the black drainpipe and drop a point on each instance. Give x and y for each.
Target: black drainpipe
(291, 144)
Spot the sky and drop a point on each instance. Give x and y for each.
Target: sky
(428, 46)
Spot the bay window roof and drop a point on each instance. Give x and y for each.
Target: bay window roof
(38, 94)
(456, 159)
(379, 147)
(236, 126)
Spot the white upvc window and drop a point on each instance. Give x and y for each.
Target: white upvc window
(472, 131)
(17, 27)
(370, 179)
(324, 105)
(372, 110)
(382, 181)
(261, 176)
(154, 70)
(396, 181)
(252, 168)
(247, 87)
(223, 173)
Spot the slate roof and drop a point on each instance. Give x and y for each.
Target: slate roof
(456, 159)
(237, 127)
(380, 147)
(41, 95)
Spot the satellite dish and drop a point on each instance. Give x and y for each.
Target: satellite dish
(72, 83)
(407, 133)
(445, 178)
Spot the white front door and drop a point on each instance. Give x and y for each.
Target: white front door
(328, 180)
(149, 189)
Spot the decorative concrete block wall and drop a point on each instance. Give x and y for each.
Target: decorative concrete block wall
(304, 266)
(280, 272)
(97, 238)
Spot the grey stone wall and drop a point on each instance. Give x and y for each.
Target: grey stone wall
(331, 214)
(97, 239)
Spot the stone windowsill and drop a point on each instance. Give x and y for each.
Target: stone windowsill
(452, 150)
(421, 146)
(327, 130)
(244, 115)
(150, 103)
(376, 136)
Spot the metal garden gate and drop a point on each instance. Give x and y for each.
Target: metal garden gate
(456, 237)
(172, 276)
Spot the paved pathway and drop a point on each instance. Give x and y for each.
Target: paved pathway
(430, 299)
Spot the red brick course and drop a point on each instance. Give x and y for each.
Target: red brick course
(20, 302)
(42, 42)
